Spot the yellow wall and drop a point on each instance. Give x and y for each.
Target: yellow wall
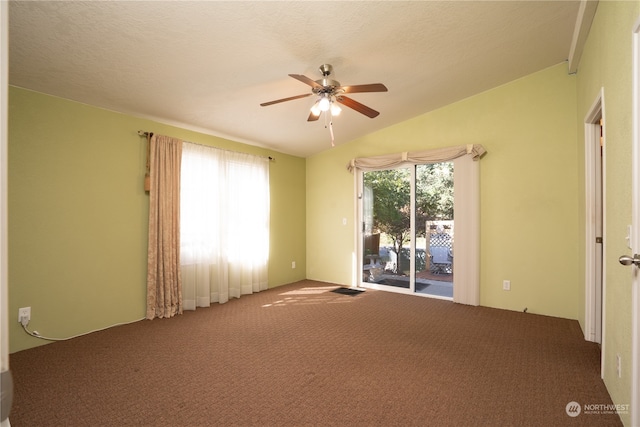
(78, 215)
(528, 186)
(606, 63)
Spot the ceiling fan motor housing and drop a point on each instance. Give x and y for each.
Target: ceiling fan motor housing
(328, 86)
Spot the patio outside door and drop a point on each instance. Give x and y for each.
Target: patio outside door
(434, 229)
(407, 229)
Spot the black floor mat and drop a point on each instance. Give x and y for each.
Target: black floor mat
(348, 291)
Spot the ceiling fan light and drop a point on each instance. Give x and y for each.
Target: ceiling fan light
(324, 104)
(335, 109)
(315, 109)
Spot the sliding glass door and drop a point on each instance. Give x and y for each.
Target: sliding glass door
(407, 229)
(387, 227)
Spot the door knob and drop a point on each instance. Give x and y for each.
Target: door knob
(627, 260)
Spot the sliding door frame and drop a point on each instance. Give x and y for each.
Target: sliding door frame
(466, 244)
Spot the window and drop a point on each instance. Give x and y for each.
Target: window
(224, 224)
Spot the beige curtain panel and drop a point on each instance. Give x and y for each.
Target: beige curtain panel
(164, 284)
(438, 155)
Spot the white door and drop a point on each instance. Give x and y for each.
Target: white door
(635, 235)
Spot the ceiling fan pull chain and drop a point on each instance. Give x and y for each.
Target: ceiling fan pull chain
(331, 132)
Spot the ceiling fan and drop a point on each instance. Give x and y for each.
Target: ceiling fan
(329, 92)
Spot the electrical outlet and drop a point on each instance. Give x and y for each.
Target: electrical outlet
(24, 315)
(293, 264)
(506, 285)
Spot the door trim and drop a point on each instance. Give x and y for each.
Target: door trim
(4, 141)
(594, 311)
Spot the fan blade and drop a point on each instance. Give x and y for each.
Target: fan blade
(306, 80)
(373, 87)
(291, 98)
(360, 108)
(313, 117)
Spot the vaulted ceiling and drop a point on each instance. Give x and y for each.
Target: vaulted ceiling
(208, 65)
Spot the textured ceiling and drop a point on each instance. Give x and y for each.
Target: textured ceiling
(208, 65)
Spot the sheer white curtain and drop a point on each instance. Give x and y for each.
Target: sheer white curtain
(466, 246)
(224, 222)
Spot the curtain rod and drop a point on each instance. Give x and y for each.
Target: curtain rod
(150, 134)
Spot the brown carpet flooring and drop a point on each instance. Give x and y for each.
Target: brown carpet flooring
(299, 355)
